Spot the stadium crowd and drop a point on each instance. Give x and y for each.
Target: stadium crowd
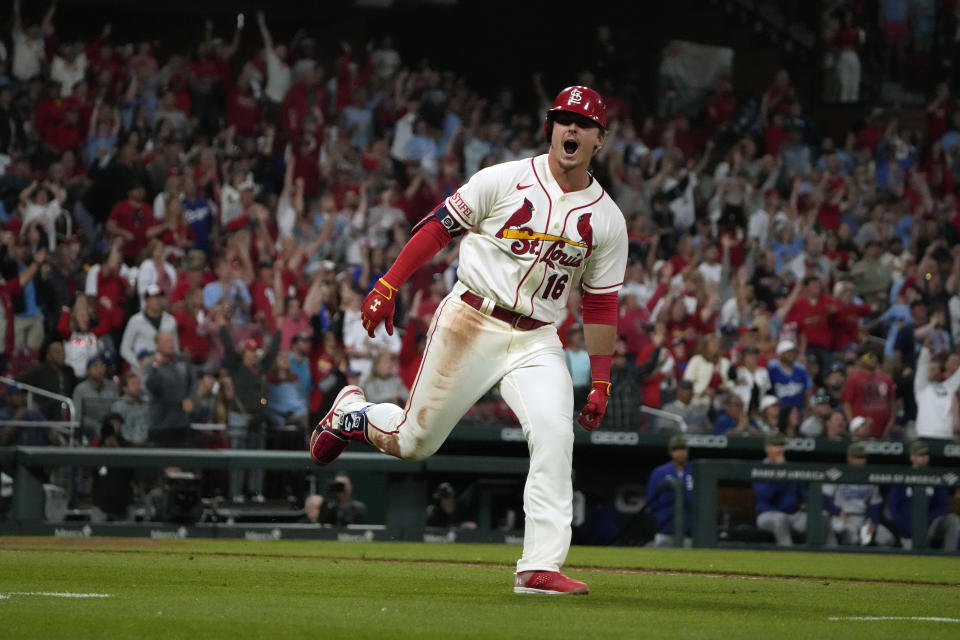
(187, 237)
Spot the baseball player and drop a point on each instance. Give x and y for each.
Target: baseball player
(532, 230)
(855, 508)
(660, 499)
(941, 522)
(781, 506)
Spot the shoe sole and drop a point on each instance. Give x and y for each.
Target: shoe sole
(546, 592)
(341, 445)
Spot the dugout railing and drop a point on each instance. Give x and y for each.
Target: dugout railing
(67, 427)
(401, 487)
(643, 443)
(404, 487)
(709, 474)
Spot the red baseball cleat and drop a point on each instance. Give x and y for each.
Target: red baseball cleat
(338, 427)
(548, 582)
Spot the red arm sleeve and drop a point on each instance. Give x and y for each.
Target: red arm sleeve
(425, 243)
(63, 324)
(599, 308)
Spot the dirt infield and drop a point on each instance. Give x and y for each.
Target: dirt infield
(80, 542)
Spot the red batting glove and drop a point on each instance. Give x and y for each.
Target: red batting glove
(377, 306)
(592, 412)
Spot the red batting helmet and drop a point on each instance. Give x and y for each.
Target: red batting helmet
(581, 100)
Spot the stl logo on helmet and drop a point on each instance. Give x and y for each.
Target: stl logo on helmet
(575, 97)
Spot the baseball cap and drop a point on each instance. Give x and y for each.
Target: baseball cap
(822, 397)
(99, 357)
(9, 389)
(685, 384)
(250, 344)
(919, 448)
(445, 490)
(785, 345)
(768, 401)
(728, 330)
(153, 290)
(677, 442)
(837, 366)
(857, 450)
(775, 439)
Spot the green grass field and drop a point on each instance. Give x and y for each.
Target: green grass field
(241, 589)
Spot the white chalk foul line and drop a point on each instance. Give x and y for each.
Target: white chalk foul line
(54, 594)
(888, 618)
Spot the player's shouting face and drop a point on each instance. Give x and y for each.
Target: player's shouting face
(575, 140)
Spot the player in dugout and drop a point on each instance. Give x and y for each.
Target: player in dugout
(532, 230)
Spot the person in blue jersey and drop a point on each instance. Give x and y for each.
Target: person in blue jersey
(199, 213)
(782, 506)
(943, 526)
(660, 498)
(789, 378)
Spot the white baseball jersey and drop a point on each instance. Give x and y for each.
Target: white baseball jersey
(853, 498)
(530, 243)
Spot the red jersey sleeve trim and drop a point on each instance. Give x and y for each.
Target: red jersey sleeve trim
(459, 216)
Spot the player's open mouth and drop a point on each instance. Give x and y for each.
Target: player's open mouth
(570, 147)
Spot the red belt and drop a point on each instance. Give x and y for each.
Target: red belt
(514, 319)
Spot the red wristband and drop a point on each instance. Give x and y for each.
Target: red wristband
(600, 368)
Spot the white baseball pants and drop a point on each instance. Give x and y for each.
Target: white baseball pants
(467, 353)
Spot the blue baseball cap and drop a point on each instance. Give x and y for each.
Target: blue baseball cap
(95, 359)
